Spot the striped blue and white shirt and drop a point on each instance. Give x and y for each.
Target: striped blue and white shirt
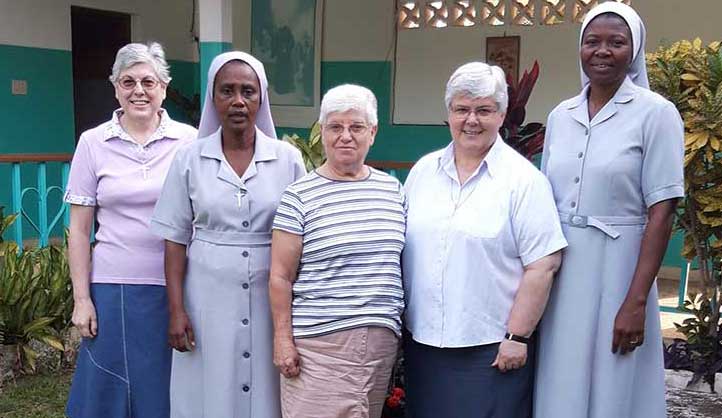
(349, 275)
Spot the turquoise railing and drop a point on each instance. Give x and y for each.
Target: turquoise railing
(45, 222)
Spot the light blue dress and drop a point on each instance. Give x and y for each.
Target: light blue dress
(605, 173)
(226, 223)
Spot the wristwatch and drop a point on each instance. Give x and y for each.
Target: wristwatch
(517, 338)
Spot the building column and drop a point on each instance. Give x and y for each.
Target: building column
(216, 34)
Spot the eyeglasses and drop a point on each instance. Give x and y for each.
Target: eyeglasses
(129, 83)
(463, 112)
(354, 128)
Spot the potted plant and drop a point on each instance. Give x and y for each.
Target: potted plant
(689, 74)
(527, 139)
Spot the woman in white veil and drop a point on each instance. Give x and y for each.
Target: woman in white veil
(215, 213)
(614, 157)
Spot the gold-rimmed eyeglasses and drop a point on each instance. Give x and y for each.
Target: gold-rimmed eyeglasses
(354, 128)
(129, 83)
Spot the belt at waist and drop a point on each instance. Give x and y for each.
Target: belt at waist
(603, 223)
(251, 239)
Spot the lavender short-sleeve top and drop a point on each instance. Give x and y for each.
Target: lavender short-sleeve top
(123, 179)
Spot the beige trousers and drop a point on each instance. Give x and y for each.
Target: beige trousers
(343, 375)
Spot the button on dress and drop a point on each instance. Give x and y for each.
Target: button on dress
(605, 173)
(226, 223)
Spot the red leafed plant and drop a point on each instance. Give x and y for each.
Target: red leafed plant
(527, 139)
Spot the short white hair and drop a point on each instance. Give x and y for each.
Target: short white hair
(132, 54)
(478, 80)
(349, 97)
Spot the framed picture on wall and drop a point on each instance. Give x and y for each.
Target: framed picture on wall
(286, 37)
(504, 52)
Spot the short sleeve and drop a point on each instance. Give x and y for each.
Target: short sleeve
(663, 156)
(299, 168)
(290, 214)
(83, 180)
(535, 221)
(547, 140)
(173, 214)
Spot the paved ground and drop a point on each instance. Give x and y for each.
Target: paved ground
(688, 404)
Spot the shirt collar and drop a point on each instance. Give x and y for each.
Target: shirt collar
(165, 129)
(263, 150)
(492, 160)
(625, 93)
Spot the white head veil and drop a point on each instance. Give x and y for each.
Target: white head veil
(638, 69)
(209, 118)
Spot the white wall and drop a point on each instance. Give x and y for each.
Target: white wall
(46, 23)
(427, 57)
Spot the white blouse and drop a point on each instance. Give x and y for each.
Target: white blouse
(467, 245)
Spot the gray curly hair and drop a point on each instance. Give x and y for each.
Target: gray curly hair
(135, 53)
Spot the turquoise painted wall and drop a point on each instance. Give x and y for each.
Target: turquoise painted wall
(208, 51)
(39, 122)
(43, 121)
(186, 79)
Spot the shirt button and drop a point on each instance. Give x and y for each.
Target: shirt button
(245, 253)
(246, 388)
(244, 322)
(574, 204)
(245, 224)
(580, 155)
(245, 285)
(246, 354)
(576, 179)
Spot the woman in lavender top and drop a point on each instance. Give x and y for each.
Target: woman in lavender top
(121, 309)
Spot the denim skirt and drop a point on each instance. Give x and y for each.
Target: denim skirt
(125, 370)
(460, 383)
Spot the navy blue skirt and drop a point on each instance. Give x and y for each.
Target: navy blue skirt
(460, 383)
(125, 370)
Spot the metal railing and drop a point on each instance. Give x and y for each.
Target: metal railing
(44, 223)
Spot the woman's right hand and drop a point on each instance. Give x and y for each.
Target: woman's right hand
(180, 332)
(285, 357)
(84, 318)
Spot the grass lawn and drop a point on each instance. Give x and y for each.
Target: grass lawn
(41, 396)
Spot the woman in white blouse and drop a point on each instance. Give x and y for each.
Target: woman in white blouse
(483, 242)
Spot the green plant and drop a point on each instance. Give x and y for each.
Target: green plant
(703, 353)
(689, 74)
(311, 148)
(527, 139)
(35, 300)
(5, 222)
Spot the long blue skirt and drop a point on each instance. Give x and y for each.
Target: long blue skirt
(125, 370)
(460, 383)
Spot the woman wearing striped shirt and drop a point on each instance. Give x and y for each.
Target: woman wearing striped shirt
(335, 283)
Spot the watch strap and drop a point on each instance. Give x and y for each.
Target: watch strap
(517, 338)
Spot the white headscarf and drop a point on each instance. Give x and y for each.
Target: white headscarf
(209, 118)
(638, 69)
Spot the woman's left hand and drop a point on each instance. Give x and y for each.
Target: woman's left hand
(511, 356)
(629, 327)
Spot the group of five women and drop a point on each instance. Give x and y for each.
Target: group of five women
(282, 292)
